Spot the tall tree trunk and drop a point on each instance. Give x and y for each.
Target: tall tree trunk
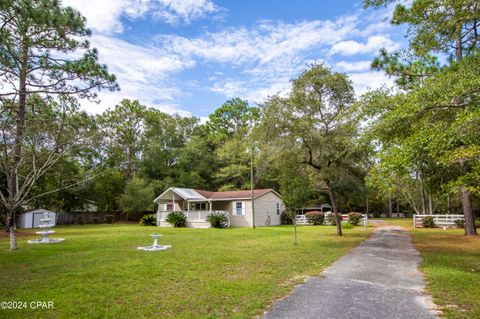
(13, 234)
(333, 200)
(389, 205)
(466, 196)
(459, 42)
(423, 200)
(470, 228)
(430, 202)
(366, 208)
(397, 201)
(129, 172)
(449, 204)
(13, 200)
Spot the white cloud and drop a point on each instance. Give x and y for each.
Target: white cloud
(373, 44)
(142, 73)
(249, 62)
(365, 81)
(264, 57)
(174, 11)
(262, 43)
(353, 66)
(105, 16)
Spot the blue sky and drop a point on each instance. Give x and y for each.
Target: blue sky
(190, 56)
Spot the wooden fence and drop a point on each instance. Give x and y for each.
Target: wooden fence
(96, 217)
(447, 220)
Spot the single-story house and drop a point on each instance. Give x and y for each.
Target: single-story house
(237, 205)
(31, 218)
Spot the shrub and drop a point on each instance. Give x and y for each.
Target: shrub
(331, 218)
(477, 223)
(109, 219)
(80, 220)
(286, 219)
(148, 220)
(217, 220)
(95, 220)
(354, 218)
(347, 225)
(428, 222)
(315, 217)
(177, 219)
(460, 223)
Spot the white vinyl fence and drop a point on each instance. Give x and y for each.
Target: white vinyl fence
(303, 220)
(440, 220)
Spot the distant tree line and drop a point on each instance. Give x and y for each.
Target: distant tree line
(414, 148)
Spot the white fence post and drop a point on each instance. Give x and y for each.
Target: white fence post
(447, 220)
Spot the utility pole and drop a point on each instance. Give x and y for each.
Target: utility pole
(251, 188)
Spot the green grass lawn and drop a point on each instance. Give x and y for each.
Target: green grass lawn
(209, 273)
(451, 264)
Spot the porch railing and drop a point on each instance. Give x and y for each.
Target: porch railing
(192, 215)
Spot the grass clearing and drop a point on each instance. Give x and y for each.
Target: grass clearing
(451, 264)
(209, 273)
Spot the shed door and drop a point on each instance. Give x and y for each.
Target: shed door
(36, 219)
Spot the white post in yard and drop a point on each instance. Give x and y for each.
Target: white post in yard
(414, 221)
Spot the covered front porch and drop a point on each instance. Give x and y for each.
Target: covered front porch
(195, 218)
(195, 207)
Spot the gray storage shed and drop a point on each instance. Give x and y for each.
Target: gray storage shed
(31, 218)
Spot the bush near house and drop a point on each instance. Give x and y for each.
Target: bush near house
(217, 220)
(315, 217)
(285, 218)
(354, 218)
(428, 222)
(148, 220)
(177, 219)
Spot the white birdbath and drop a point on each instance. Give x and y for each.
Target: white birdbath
(155, 246)
(45, 223)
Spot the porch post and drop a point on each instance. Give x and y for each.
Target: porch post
(173, 201)
(210, 206)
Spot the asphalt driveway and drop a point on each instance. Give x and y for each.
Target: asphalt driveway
(378, 279)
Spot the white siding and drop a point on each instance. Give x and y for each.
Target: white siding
(265, 206)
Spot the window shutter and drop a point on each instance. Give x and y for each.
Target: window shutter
(244, 206)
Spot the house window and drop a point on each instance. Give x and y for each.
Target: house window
(200, 206)
(169, 207)
(239, 208)
(278, 209)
